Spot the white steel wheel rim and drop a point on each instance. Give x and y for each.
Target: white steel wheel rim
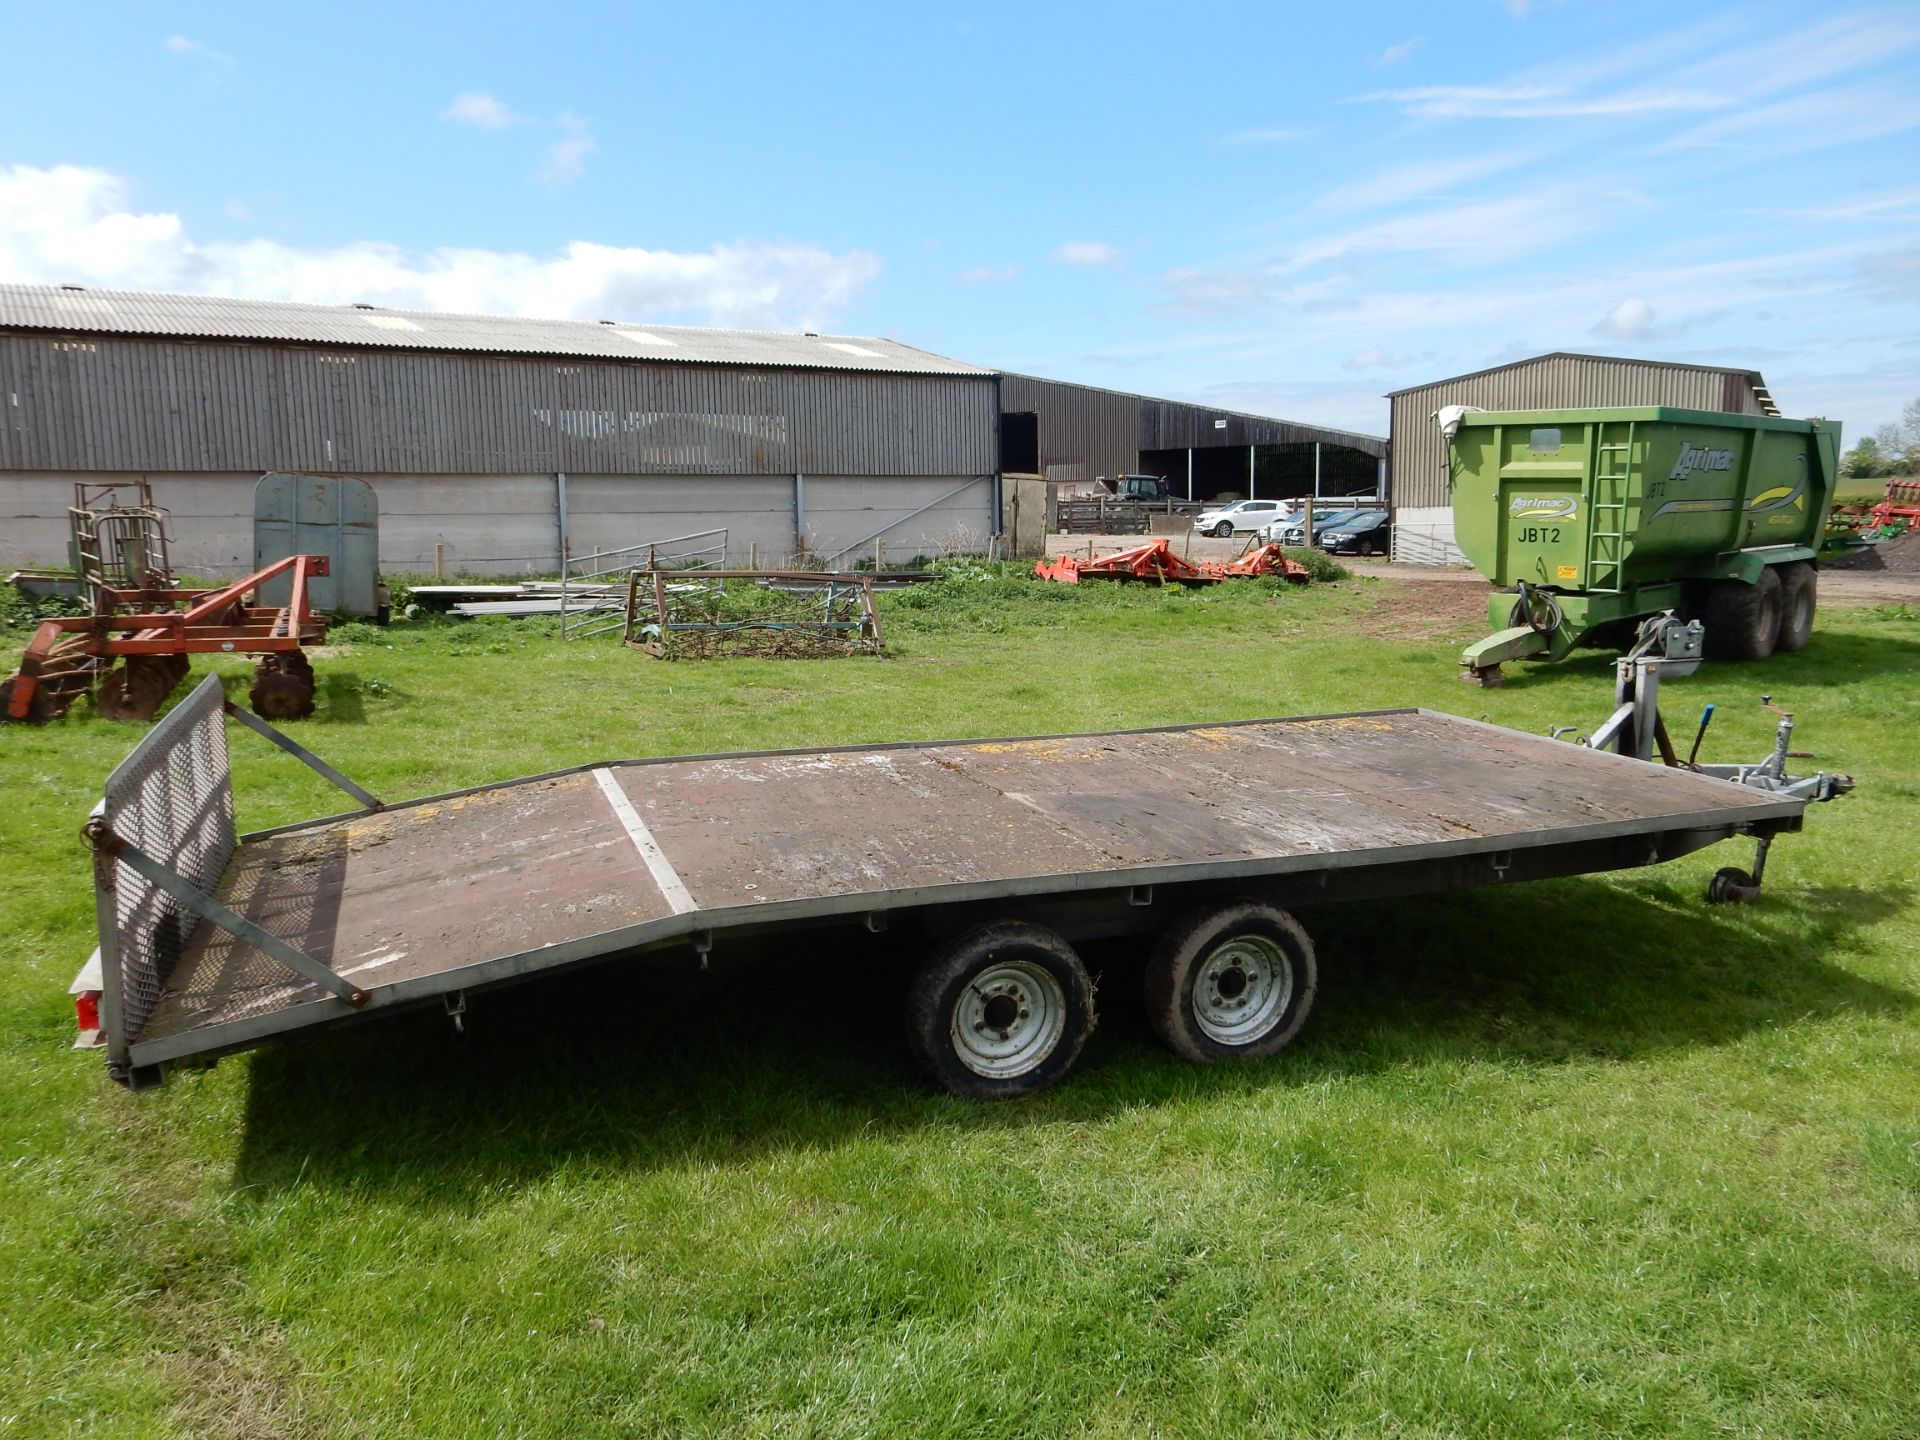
(1241, 989)
(1009, 1019)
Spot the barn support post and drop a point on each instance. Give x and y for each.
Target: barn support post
(560, 519)
(1189, 472)
(799, 514)
(1313, 504)
(1251, 495)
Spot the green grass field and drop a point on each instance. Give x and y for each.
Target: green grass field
(1578, 1158)
(1855, 491)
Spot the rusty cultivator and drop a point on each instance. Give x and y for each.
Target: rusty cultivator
(775, 614)
(136, 642)
(1154, 561)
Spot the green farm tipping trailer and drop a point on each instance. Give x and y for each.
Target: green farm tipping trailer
(1596, 519)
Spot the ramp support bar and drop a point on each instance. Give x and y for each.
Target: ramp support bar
(104, 840)
(300, 752)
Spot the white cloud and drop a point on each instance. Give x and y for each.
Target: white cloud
(1375, 360)
(1537, 102)
(1872, 206)
(480, 110)
(1200, 292)
(988, 275)
(1478, 232)
(566, 158)
(71, 224)
(1728, 77)
(1084, 253)
(195, 50)
(1843, 116)
(1411, 182)
(1631, 319)
(1394, 54)
(562, 162)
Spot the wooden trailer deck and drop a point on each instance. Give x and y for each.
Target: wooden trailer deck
(419, 899)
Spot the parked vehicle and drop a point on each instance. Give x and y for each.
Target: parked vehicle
(1149, 489)
(1592, 519)
(1368, 533)
(1240, 515)
(1003, 863)
(1295, 533)
(1153, 489)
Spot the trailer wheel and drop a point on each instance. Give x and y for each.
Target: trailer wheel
(1001, 1011)
(1743, 621)
(1231, 982)
(1731, 886)
(1798, 596)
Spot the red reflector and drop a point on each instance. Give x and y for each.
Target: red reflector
(86, 1009)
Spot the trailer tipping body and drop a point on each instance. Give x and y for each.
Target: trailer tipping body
(1601, 517)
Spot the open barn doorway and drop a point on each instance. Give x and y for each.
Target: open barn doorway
(1277, 472)
(1020, 443)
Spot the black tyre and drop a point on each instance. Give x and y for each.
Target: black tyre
(1224, 530)
(1003, 1010)
(1730, 886)
(1233, 981)
(1743, 621)
(1798, 596)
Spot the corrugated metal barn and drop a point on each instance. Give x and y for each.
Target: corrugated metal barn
(482, 435)
(1423, 514)
(1078, 432)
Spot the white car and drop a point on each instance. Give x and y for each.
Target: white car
(1240, 515)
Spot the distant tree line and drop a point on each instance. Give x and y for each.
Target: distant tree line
(1891, 450)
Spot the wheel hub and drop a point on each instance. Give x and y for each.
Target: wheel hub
(1008, 1019)
(1242, 989)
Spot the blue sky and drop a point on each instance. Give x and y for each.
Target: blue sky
(1287, 209)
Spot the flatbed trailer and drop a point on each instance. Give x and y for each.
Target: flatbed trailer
(990, 858)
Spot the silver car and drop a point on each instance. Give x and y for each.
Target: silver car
(1240, 515)
(1294, 531)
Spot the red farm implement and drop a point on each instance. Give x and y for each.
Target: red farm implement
(1901, 507)
(1155, 561)
(136, 643)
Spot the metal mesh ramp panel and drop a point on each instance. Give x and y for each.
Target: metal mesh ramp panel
(173, 798)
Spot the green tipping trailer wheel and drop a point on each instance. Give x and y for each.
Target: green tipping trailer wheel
(1743, 621)
(1798, 597)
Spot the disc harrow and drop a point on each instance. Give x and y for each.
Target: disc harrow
(136, 645)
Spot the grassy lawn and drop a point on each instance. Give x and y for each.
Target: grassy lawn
(1854, 491)
(1584, 1157)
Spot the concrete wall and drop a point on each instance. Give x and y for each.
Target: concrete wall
(509, 524)
(1027, 503)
